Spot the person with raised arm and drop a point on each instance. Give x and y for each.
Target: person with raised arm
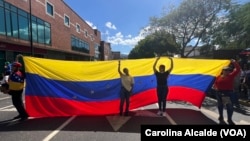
(162, 84)
(127, 84)
(224, 87)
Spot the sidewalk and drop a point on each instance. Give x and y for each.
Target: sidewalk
(244, 102)
(242, 99)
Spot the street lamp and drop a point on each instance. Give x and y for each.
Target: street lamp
(30, 26)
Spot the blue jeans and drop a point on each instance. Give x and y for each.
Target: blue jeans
(224, 98)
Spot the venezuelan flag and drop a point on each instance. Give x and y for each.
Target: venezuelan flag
(66, 88)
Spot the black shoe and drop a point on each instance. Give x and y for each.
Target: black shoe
(126, 114)
(221, 121)
(17, 117)
(230, 122)
(221, 118)
(23, 118)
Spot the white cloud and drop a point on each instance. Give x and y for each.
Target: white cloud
(128, 40)
(110, 25)
(91, 24)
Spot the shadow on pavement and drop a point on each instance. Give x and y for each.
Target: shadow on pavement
(210, 102)
(241, 109)
(111, 123)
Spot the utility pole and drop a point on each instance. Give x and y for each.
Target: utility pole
(31, 38)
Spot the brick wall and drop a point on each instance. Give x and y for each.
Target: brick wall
(61, 34)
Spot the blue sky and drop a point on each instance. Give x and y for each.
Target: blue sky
(121, 22)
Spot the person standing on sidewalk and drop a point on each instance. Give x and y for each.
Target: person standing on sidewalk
(127, 82)
(224, 87)
(16, 86)
(247, 83)
(162, 85)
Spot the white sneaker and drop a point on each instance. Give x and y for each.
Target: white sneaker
(159, 113)
(164, 114)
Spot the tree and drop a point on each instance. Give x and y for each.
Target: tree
(235, 32)
(191, 21)
(160, 43)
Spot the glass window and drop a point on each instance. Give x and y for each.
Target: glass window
(73, 43)
(1, 2)
(8, 22)
(14, 24)
(2, 23)
(13, 8)
(23, 28)
(41, 33)
(47, 35)
(66, 20)
(39, 21)
(79, 45)
(86, 33)
(50, 9)
(46, 24)
(7, 5)
(34, 31)
(78, 29)
(23, 13)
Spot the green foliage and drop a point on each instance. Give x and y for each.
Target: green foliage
(160, 43)
(235, 33)
(191, 21)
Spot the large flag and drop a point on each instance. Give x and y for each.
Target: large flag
(66, 88)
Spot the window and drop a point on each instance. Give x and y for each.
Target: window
(2, 23)
(23, 27)
(66, 20)
(40, 31)
(50, 9)
(15, 23)
(78, 29)
(79, 45)
(86, 33)
(91, 37)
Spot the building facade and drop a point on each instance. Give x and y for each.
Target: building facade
(116, 55)
(105, 51)
(46, 29)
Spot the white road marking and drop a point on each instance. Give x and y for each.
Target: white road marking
(117, 121)
(5, 98)
(9, 110)
(52, 134)
(170, 119)
(6, 107)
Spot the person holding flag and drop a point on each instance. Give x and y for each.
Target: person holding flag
(224, 87)
(127, 82)
(16, 86)
(162, 85)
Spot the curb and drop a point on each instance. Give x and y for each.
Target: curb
(244, 102)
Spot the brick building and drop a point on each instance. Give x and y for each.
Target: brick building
(105, 51)
(116, 55)
(57, 31)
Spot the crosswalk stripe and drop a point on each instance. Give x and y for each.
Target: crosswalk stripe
(9, 110)
(170, 119)
(117, 121)
(5, 98)
(5, 107)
